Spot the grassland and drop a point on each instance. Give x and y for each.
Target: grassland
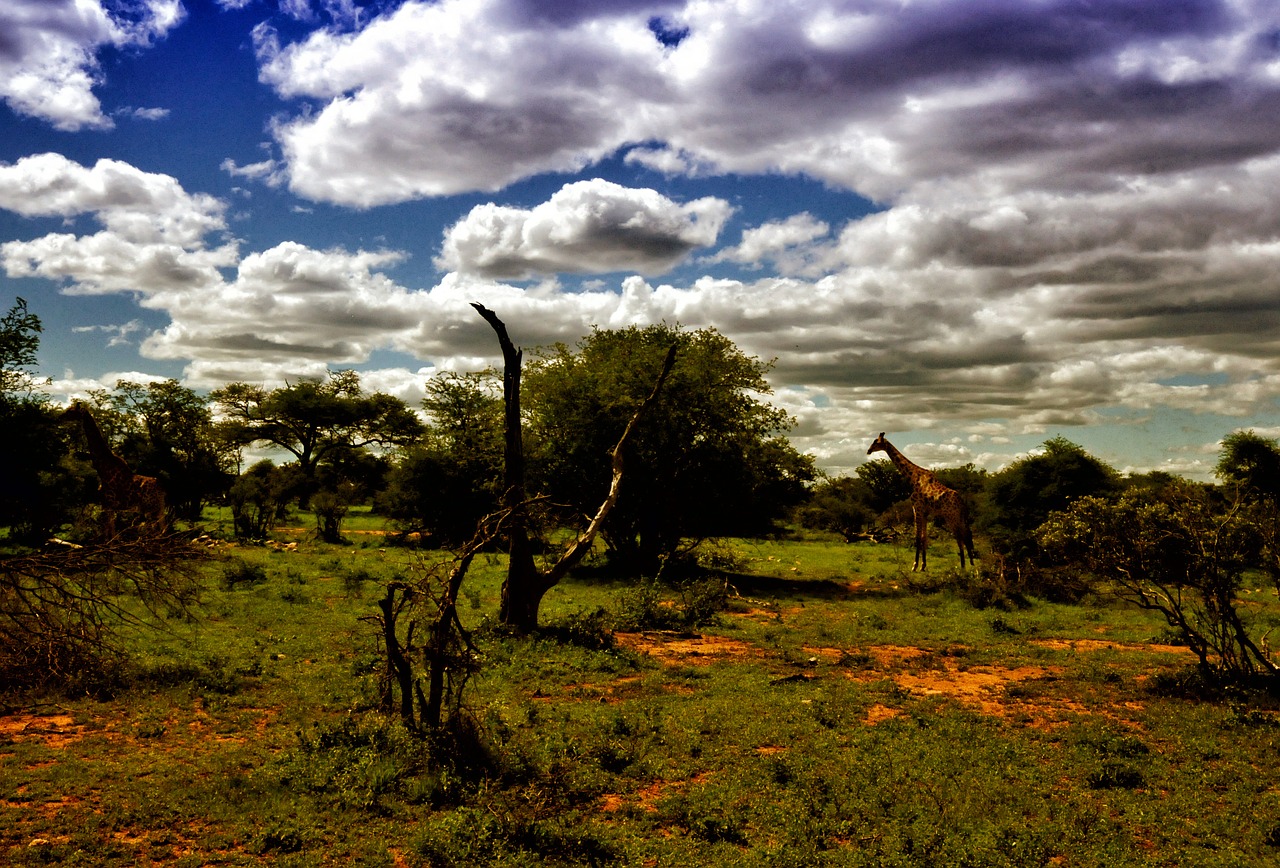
(837, 713)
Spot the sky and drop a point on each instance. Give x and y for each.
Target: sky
(972, 224)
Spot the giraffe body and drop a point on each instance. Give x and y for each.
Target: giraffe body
(929, 497)
(136, 499)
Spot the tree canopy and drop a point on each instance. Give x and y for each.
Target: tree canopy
(1028, 490)
(316, 420)
(709, 459)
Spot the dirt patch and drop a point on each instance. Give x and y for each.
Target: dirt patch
(884, 655)
(983, 688)
(980, 686)
(647, 798)
(878, 713)
(54, 730)
(675, 649)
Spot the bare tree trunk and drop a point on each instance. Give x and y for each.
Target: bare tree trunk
(525, 586)
(522, 591)
(399, 670)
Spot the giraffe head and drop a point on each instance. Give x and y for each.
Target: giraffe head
(76, 412)
(879, 445)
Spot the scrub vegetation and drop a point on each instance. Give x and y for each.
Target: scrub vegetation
(727, 662)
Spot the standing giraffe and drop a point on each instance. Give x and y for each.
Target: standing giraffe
(930, 497)
(139, 498)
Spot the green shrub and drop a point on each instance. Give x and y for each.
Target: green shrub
(237, 573)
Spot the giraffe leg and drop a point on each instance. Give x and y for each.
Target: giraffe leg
(922, 541)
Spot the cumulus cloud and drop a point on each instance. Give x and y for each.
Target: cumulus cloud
(153, 237)
(1079, 204)
(48, 53)
(461, 95)
(877, 99)
(790, 244)
(586, 227)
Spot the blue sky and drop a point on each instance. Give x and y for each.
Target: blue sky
(974, 224)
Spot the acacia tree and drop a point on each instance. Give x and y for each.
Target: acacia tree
(714, 460)
(313, 419)
(318, 422)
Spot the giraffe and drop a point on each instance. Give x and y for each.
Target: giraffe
(123, 491)
(929, 497)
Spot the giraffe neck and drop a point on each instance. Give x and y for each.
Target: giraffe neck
(99, 449)
(914, 472)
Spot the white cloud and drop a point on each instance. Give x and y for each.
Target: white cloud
(154, 232)
(586, 227)
(48, 53)
(438, 98)
(789, 244)
(136, 205)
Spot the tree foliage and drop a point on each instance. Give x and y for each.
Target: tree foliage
(1180, 551)
(445, 484)
(324, 425)
(710, 456)
(1027, 491)
(315, 420)
(1252, 463)
(165, 430)
(38, 490)
(843, 505)
(19, 342)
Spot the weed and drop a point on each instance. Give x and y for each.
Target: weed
(1116, 775)
(294, 596)
(240, 573)
(646, 607)
(588, 630)
(354, 579)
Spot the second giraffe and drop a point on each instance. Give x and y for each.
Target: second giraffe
(930, 497)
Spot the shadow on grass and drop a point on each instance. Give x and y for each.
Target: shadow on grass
(751, 585)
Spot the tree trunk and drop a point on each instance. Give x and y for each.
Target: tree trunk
(522, 591)
(525, 586)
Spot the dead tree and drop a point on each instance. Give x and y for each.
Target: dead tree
(63, 610)
(526, 584)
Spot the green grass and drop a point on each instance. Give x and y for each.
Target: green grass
(829, 727)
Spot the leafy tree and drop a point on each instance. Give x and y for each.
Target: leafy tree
(166, 430)
(39, 492)
(1250, 465)
(526, 582)
(1027, 491)
(884, 483)
(1251, 462)
(710, 453)
(19, 342)
(1180, 551)
(316, 420)
(319, 423)
(843, 504)
(260, 498)
(453, 478)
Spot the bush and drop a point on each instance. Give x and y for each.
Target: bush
(644, 606)
(240, 573)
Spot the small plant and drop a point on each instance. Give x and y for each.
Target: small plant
(644, 606)
(354, 579)
(1115, 775)
(588, 630)
(239, 573)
